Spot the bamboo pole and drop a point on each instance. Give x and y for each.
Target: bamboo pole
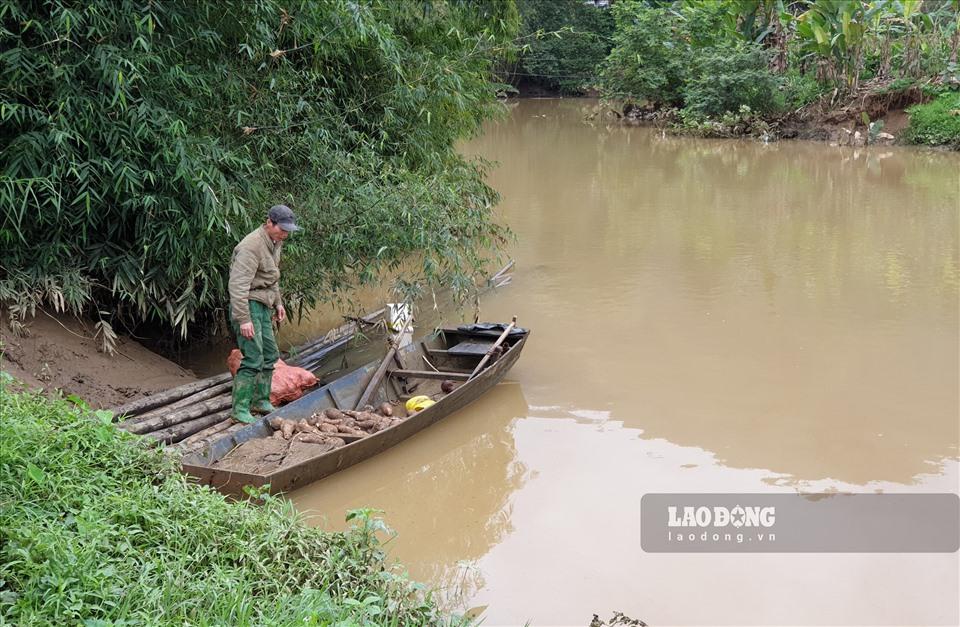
(203, 395)
(492, 280)
(180, 431)
(198, 445)
(437, 375)
(308, 360)
(336, 334)
(188, 413)
(166, 397)
(206, 433)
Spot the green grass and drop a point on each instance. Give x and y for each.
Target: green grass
(96, 529)
(936, 123)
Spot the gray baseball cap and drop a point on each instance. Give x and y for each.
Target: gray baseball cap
(282, 216)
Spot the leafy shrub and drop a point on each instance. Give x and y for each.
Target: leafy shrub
(724, 79)
(743, 122)
(649, 58)
(936, 123)
(97, 529)
(800, 89)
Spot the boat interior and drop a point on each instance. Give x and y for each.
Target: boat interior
(431, 367)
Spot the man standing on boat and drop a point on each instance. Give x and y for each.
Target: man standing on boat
(254, 304)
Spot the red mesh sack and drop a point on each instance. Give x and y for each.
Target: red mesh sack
(288, 383)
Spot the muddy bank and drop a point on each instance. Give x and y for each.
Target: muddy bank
(875, 114)
(60, 352)
(839, 128)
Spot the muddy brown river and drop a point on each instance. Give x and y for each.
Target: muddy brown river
(707, 316)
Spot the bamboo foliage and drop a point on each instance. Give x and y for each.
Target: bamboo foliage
(140, 141)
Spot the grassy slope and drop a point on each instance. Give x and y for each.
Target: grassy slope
(96, 529)
(936, 123)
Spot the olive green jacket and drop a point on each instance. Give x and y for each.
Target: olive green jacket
(254, 274)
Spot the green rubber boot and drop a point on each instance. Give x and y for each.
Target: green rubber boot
(261, 394)
(244, 385)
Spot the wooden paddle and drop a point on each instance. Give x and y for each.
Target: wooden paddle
(377, 376)
(499, 341)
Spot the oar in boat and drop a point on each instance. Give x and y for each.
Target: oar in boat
(377, 376)
(499, 341)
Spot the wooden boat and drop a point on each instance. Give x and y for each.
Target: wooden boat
(417, 369)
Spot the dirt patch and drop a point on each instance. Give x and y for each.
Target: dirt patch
(895, 121)
(265, 455)
(59, 352)
(840, 120)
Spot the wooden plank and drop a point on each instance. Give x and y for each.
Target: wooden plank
(430, 374)
(470, 349)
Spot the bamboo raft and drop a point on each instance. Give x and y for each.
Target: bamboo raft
(189, 417)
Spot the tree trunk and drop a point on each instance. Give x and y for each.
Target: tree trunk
(778, 63)
(884, 70)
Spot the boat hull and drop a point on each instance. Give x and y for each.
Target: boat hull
(343, 393)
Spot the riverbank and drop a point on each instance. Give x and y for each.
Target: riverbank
(98, 528)
(878, 113)
(61, 352)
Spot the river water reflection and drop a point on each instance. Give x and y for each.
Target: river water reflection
(707, 316)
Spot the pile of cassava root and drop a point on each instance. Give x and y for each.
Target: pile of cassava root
(336, 427)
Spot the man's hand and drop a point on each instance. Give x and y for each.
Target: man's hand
(281, 314)
(246, 330)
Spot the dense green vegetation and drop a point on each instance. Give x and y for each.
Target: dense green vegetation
(95, 529)
(936, 123)
(562, 42)
(139, 141)
(746, 58)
